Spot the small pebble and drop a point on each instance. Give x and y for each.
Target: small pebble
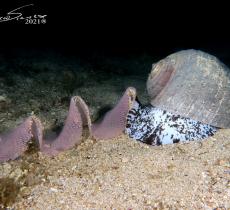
(53, 190)
(2, 99)
(124, 160)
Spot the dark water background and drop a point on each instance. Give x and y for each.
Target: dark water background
(82, 49)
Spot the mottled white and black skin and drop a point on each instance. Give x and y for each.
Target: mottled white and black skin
(154, 126)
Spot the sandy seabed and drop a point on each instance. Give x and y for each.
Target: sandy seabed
(125, 174)
(112, 174)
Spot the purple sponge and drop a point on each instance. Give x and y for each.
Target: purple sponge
(14, 143)
(71, 133)
(114, 122)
